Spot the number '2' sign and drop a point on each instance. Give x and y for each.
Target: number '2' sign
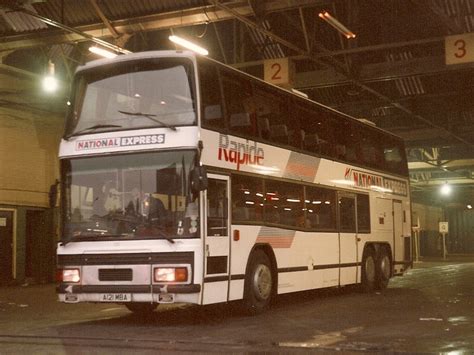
(278, 71)
(459, 49)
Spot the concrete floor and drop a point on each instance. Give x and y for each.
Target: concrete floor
(429, 310)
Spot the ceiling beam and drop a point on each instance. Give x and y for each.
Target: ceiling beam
(17, 73)
(104, 19)
(378, 72)
(72, 30)
(451, 165)
(161, 21)
(350, 51)
(305, 30)
(449, 23)
(382, 47)
(439, 182)
(419, 137)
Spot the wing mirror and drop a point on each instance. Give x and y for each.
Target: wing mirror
(199, 179)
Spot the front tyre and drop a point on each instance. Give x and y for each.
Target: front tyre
(141, 309)
(258, 290)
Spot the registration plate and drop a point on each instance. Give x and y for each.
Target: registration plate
(116, 297)
(71, 298)
(165, 298)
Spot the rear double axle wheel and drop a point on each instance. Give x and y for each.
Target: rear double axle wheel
(383, 270)
(376, 269)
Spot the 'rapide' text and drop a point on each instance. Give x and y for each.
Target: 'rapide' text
(240, 153)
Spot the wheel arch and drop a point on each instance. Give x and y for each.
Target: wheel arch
(377, 246)
(268, 250)
(368, 245)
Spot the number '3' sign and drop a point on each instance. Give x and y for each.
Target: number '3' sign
(459, 49)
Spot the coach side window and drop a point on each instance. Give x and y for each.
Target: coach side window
(271, 108)
(347, 135)
(239, 103)
(217, 211)
(318, 127)
(368, 148)
(247, 199)
(212, 112)
(353, 136)
(284, 204)
(363, 214)
(310, 127)
(347, 214)
(394, 157)
(320, 206)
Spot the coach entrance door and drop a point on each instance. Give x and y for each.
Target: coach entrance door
(347, 238)
(217, 240)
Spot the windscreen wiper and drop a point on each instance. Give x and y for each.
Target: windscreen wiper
(97, 126)
(150, 117)
(64, 242)
(69, 239)
(163, 234)
(167, 237)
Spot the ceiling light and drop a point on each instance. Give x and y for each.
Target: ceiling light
(102, 52)
(50, 84)
(189, 45)
(337, 25)
(446, 189)
(469, 207)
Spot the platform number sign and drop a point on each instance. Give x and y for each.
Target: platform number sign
(278, 71)
(459, 49)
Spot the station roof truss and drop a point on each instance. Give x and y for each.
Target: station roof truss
(393, 73)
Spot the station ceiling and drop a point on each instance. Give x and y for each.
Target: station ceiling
(395, 72)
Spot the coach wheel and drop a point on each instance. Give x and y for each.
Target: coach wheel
(141, 309)
(383, 269)
(368, 270)
(258, 289)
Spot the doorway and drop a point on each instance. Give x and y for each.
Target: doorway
(6, 246)
(37, 253)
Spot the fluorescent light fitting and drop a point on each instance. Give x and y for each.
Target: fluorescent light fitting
(102, 52)
(297, 92)
(326, 16)
(50, 83)
(189, 45)
(51, 69)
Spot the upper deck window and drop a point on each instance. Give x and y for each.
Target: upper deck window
(143, 93)
(237, 104)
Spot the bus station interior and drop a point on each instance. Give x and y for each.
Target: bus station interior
(408, 69)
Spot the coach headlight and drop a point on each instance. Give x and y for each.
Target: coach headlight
(170, 274)
(68, 275)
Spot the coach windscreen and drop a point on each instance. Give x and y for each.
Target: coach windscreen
(141, 93)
